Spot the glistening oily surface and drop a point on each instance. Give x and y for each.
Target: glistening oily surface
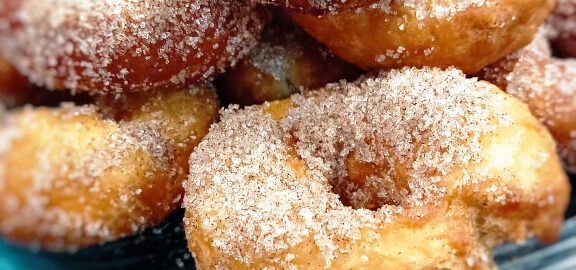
(136, 45)
(265, 197)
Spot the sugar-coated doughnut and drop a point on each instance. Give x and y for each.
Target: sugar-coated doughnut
(285, 61)
(466, 34)
(413, 169)
(119, 46)
(16, 91)
(547, 85)
(76, 176)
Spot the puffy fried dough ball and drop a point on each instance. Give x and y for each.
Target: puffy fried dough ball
(118, 46)
(318, 6)
(392, 34)
(284, 62)
(563, 25)
(413, 169)
(547, 85)
(76, 176)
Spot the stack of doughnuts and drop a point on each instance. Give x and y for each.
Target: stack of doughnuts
(305, 134)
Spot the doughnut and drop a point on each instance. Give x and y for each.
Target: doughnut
(466, 34)
(284, 62)
(547, 85)
(77, 176)
(125, 46)
(563, 27)
(13, 85)
(317, 6)
(412, 169)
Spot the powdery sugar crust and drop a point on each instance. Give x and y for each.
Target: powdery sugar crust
(536, 75)
(111, 149)
(98, 44)
(244, 193)
(331, 5)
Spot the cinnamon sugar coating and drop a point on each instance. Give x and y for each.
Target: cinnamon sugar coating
(76, 176)
(346, 176)
(285, 61)
(393, 34)
(119, 46)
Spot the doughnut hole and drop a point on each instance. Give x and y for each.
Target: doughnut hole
(358, 189)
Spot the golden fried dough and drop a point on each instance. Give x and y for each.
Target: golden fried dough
(413, 169)
(76, 176)
(466, 34)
